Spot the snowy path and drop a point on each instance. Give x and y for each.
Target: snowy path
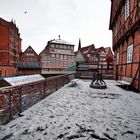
(80, 113)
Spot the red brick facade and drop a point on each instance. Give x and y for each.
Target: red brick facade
(10, 48)
(124, 23)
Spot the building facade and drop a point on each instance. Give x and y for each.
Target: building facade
(125, 26)
(10, 48)
(57, 56)
(29, 62)
(90, 59)
(95, 58)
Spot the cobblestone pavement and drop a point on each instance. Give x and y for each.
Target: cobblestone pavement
(80, 113)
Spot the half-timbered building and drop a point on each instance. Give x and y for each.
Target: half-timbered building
(29, 62)
(90, 59)
(95, 58)
(125, 26)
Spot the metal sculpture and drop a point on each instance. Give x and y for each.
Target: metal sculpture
(97, 81)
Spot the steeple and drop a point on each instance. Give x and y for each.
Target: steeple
(79, 46)
(59, 37)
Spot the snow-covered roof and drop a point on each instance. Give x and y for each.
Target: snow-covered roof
(60, 41)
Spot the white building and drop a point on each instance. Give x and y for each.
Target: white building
(57, 56)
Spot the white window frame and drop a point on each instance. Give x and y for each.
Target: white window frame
(127, 9)
(117, 58)
(130, 53)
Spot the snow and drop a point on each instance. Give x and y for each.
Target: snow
(80, 113)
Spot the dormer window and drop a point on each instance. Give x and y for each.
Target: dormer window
(127, 9)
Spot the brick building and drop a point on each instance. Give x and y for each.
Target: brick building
(57, 56)
(10, 48)
(29, 62)
(125, 25)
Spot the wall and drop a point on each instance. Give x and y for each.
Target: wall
(14, 100)
(7, 71)
(129, 69)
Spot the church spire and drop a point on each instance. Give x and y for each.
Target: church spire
(79, 46)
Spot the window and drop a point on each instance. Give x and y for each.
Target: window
(127, 9)
(52, 45)
(129, 53)
(117, 58)
(53, 55)
(65, 56)
(61, 56)
(57, 55)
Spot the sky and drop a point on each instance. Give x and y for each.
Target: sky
(42, 20)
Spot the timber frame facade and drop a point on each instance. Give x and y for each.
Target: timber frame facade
(125, 26)
(29, 62)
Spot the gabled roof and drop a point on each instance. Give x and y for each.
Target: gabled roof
(108, 50)
(28, 50)
(100, 49)
(79, 56)
(88, 50)
(85, 51)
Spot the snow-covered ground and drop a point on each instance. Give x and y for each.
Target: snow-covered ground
(80, 113)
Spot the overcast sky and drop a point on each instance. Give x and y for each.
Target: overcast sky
(72, 19)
